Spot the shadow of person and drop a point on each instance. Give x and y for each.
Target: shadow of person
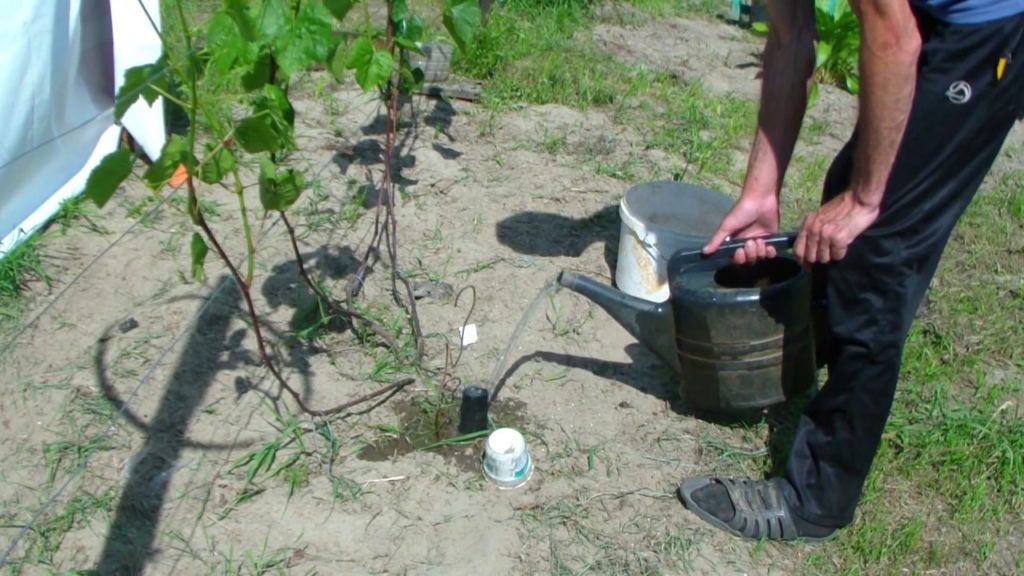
(210, 348)
(547, 234)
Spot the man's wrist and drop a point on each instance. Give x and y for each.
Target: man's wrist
(869, 198)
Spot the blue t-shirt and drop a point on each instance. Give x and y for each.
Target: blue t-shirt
(970, 11)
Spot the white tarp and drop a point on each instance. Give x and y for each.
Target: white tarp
(61, 63)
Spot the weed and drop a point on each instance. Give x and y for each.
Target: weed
(701, 127)
(212, 209)
(478, 267)
(838, 44)
(265, 561)
(628, 170)
(78, 209)
(523, 52)
(17, 268)
(356, 206)
(62, 454)
(315, 216)
(48, 534)
(345, 490)
(563, 326)
(553, 143)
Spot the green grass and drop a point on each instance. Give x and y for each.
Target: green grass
(945, 489)
(17, 268)
(47, 535)
(78, 210)
(540, 53)
(947, 480)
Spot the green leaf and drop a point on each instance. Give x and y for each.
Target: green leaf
(258, 75)
(255, 134)
(140, 81)
(306, 41)
(461, 19)
(279, 190)
(379, 70)
(225, 45)
(199, 252)
(853, 83)
(274, 18)
(412, 78)
(108, 175)
(372, 66)
(812, 96)
(408, 32)
(174, 154)
(339, 8)
(399, 11)
(823, 55)
(216, 165)
(263, 461)
(238, 10)
(276, 102)
(359, 53)
(339, 62)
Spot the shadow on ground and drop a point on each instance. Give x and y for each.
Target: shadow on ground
(647, 374)
(370, 150)
(551, 235)
(211, 348)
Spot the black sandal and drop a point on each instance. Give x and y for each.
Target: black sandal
(761, 510)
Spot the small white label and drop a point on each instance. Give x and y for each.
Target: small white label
(468, 335)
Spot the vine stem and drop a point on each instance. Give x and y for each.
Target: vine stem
(245, 287)
(250, 246)
(334, 306)
(388, 185)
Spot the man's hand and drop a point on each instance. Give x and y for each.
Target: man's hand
(749, 217)
(828, 231)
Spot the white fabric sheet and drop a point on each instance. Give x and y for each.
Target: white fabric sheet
(61, 64)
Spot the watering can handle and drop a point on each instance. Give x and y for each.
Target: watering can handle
(779, 240)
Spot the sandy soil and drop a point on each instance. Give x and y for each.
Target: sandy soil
(484, 205)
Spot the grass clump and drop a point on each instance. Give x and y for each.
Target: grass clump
(17, 268)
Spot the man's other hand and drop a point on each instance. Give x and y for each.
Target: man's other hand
(827, 232)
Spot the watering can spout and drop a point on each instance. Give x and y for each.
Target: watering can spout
(649, 322)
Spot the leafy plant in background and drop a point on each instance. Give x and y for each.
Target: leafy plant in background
(837, 59)
(234, 87)
(838, 55)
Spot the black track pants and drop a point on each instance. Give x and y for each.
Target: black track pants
(866, 302)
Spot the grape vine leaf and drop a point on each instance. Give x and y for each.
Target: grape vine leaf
(279, 190)
(372, 66)
(199, 252)
(108, 175)
(461, 18)
(174, 154)
(146, 81)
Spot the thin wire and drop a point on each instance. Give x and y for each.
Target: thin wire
(110, 427)
(124, 405)
(17, 334)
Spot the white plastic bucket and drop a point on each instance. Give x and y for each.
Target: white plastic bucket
(658, 219)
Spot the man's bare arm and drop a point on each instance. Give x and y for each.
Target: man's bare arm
(788, 66)
(890, 46)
